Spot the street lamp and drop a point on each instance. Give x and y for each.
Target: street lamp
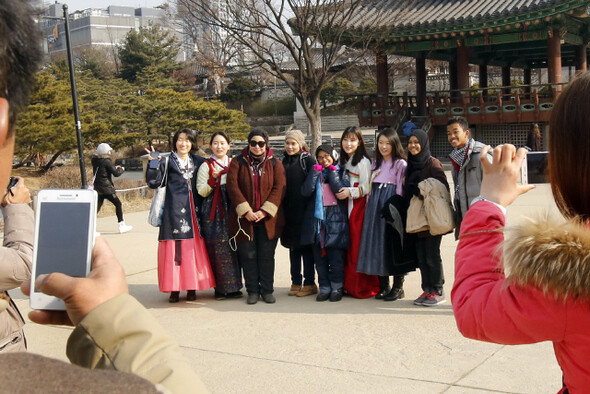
(74, 96)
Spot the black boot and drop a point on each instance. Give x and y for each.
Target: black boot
(397, 292)
(174, 296)
(383, 287)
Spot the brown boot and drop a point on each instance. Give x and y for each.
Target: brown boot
(294, 289)
(307, 290)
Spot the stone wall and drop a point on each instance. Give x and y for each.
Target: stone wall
(329, 123)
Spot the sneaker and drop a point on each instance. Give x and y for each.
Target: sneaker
(307, 290)
(123, 228)
(433, 299)
(420, 300)
(191, 295)
(252, 298)
(294, 289)
(269, 298)
(322, 297)
(336, 295)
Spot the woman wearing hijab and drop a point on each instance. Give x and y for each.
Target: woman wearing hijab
(421, 166)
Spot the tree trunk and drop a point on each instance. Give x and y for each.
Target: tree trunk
(47, 166)
(315, 123)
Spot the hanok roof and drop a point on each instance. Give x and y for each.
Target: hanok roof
(499, 31)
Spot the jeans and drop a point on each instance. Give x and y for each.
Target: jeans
(330, 268)
(430, 263)
(295, 256)
(257, 258)
(116, 202)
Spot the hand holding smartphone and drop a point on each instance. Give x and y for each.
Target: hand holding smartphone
(65, 224)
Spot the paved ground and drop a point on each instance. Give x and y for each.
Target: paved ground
(300, 345)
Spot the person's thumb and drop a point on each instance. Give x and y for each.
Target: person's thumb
(56, 284)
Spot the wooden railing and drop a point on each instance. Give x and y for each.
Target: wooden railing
(507, 104)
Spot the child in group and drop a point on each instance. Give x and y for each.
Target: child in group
(354, 157)
(466, 167)
(211, 185)
(388, 171)
(298, 163)
(421, 166)
(325, 222)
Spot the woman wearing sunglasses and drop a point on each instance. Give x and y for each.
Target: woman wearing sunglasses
(256, 184)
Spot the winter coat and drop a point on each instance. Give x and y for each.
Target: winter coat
(336, 216)
(296, 169)
(16, 257)
(177, 218)
(240, 189)
(120, 334)
(104, 169)
(540, 293)
(468, 180)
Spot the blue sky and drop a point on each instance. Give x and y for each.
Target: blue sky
(74, 5)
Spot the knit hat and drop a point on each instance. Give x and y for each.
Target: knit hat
(103, 149)
(298, 136)
(327, 148)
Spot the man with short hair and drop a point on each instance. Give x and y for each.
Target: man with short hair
(466, 168)
(113, 331)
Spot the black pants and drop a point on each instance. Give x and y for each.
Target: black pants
(295, 257)
(116, 202)
(430, 263)
(257, 258)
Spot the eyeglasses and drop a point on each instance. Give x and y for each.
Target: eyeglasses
(259, 143)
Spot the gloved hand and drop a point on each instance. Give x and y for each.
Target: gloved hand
(332, 168)
(318, 167)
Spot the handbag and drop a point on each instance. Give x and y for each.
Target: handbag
(91, 184)
(157, 208)
(328, 197)
(416, 219)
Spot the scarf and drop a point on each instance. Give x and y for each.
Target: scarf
(320, 211)
(215, 183)
(416, 163)
(458, 157)
(256, 169)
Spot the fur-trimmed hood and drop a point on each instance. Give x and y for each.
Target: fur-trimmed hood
(551, 254)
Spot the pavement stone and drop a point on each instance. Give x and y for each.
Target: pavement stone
(300, 345)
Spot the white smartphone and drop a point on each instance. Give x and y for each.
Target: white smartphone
(534, 168)
(65, 224)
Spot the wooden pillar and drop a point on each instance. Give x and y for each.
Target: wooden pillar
(506, 80)
(421, 86)
(462, 67)
(527, 81)
(483, 78)
(554, 60)
(453, 79)
(382, 74)
(581, 59)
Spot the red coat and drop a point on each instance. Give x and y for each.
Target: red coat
(545, 296)
(240, 189)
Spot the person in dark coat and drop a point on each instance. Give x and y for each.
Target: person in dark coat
(298, 163)
(325, 223)
(183, 263)
(103, 170)
(256, 185)
(421, 166)
(533, 139)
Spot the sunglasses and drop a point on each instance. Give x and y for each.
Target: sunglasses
(259, 143)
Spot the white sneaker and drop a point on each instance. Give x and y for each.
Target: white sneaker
(123, 228)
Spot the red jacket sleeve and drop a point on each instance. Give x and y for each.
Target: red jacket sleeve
(488, 307)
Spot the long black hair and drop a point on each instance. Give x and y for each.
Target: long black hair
(397, 150)
(360, 152)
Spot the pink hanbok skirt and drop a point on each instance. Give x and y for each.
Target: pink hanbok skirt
(194, 271)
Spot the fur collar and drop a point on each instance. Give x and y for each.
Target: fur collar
(551, 254)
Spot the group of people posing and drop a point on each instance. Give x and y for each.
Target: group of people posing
(339, 214)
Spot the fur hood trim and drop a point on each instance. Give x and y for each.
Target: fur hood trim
(551, 254)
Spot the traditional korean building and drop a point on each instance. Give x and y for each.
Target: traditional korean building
(524, 34)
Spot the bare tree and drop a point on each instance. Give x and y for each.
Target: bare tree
(297, 41)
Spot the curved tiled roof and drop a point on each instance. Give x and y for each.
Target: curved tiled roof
(414, 16)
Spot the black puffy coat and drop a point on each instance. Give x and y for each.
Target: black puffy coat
(294, 202)
(336, 217)
(176, 219)
(104, 169)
